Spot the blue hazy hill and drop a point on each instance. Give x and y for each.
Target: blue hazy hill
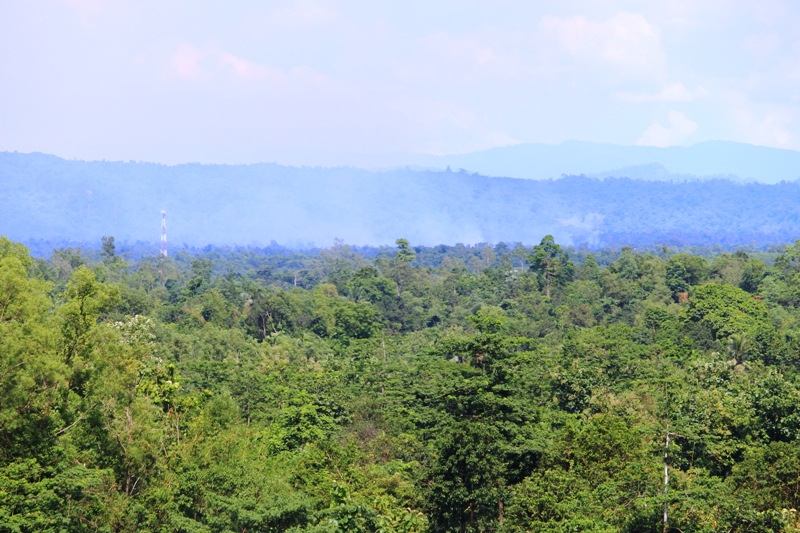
(543, 161)
(45, 197)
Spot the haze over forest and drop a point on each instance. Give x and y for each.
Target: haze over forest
(711, 193)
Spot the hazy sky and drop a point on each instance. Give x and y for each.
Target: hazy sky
(238, 81)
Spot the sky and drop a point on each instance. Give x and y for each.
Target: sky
(305, 81)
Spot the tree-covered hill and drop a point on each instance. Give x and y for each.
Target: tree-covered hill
(44, 197)
(497, 389)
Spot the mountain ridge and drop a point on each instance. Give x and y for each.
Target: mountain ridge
(704, 160)
(708, 158)
(45, 197)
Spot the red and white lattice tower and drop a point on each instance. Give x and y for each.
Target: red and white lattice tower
(163, 234)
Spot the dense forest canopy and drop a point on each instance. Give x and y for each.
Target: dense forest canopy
(498, 389)
(45, 197)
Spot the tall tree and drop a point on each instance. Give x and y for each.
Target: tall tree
(109, 249)
(484, 445)
(401, 269)
(550, 263)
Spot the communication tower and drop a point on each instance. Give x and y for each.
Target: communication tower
(163, 234)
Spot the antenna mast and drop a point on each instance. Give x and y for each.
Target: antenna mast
(163, 234)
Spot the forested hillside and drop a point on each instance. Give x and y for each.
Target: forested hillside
(518, 390)
(44, 197)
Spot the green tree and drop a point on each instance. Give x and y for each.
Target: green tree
(726, 310)
(108, 250)
(30, 369)
(550, 263)
(684, 271)
(738, 345)
(400, 268)
(484, 445)
(86, 299)
(404, 251)
(589, 270)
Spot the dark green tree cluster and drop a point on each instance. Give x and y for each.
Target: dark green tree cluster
(523, 391)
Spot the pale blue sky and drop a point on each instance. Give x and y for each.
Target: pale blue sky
(236, 82)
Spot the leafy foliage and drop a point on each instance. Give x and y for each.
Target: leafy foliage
(511, 391)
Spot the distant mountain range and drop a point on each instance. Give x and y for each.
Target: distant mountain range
(45, 197)
(542, 161)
